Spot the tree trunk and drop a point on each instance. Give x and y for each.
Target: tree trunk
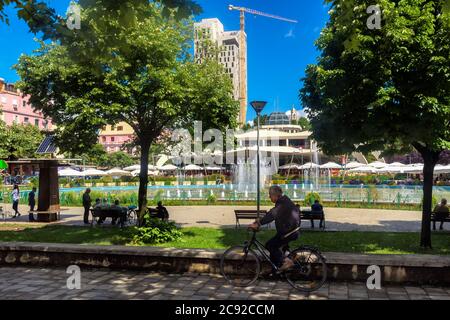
(430, 159)
(143, 181)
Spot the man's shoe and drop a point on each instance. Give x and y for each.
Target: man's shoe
(288, 264)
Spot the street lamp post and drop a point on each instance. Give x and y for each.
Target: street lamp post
(258, 106)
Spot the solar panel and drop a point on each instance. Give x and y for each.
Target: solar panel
(46, 146)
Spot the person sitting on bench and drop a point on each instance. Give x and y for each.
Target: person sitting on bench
(316, 207)
(162, 212)
(441, 212)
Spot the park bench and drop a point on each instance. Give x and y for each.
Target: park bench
(312, 216)
(117, 213)
(434, 220)
(248, 215)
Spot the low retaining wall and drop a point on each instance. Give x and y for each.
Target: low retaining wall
(414, 269)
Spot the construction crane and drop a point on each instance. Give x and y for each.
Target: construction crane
(243, 55)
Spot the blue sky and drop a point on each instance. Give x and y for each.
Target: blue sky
(278, 52)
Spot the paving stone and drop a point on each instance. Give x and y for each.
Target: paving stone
(50, 284)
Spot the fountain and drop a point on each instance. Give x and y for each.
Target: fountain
(245, 175)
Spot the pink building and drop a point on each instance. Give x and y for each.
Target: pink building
(113, 138)
(16, 108)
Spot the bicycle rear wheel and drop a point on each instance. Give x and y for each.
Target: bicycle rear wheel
(132, 218)
(309, 272)
(240, 266)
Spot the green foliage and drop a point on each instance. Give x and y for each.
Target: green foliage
(117, 159)
(157, 197)
(311, 197)
(369, 96)
(383, 89)
(129, 62)
(156, 231)
(211, 199)
(304, 123)
(19, 141)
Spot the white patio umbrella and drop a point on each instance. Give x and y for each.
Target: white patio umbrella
(377, 164)
(133, 168)
(136, 173)
(331, 165)
(168, 167)
(138, 167)
(214, 168)
(309, 165)
(70, 173)
(290, 166)
(192, 167)
(442, 169)
(364, 169)
(414, 168)
(118, 173)
(392, 169)
(397, 164)
(353, 165)
(94, 173)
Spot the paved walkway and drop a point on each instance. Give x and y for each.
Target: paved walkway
(340, 219)
(104, 284)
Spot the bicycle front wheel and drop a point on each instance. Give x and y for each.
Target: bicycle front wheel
(240, 266)
(309, 272)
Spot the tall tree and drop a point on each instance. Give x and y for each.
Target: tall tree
(19, 141)
(42, 18)
(129, 65)
(374, 88)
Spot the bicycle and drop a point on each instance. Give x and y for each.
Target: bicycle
(132, 216)
(241, 265)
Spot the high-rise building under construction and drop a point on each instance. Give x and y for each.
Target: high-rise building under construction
(229, 45)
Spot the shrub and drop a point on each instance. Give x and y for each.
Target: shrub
(157, 197)
(311, 197)
(106, 179)
(211, 199)
(156, 231)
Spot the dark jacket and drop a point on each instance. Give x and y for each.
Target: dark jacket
(86, 200)
(285, 214)
(317, 207)
(31, 198)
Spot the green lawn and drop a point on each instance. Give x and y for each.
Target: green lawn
(358, 242)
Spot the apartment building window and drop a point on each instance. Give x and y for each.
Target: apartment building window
(119, 128)
(16, 119)
(113, 139)
(45, 123)
(24, 104)
(26, 120)
(36, 122)
(4, 100)
(15, 104)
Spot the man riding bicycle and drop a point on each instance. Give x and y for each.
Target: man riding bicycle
(287, 221)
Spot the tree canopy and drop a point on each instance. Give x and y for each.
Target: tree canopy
(383, 88)
(42, 18)
(131, 65)
(19, 141)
